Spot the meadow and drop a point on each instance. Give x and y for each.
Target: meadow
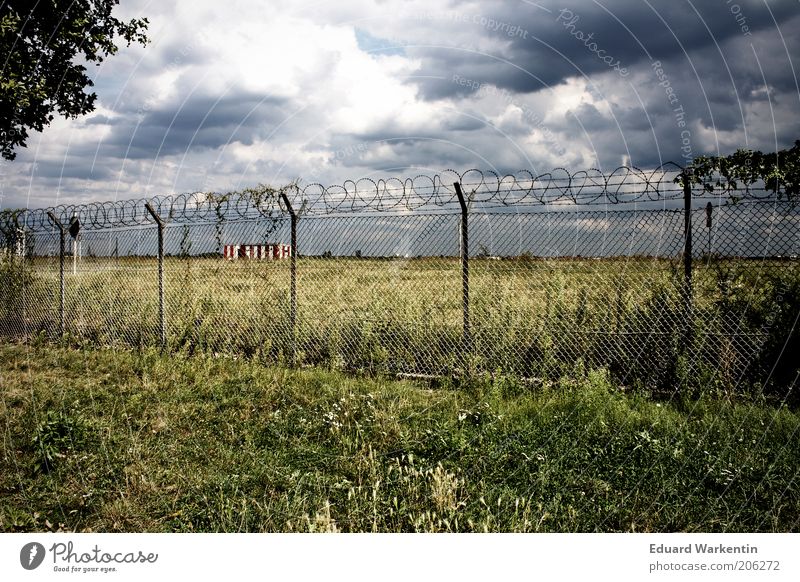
(129, 440)
(595, 390)
(531, 318)
(590, 394)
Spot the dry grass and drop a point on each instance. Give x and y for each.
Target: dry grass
(116, 440)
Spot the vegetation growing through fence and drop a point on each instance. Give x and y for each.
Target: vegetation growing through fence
(778, 171)
(594, 391)
(116, 440)
(531, 318)
(548, 286)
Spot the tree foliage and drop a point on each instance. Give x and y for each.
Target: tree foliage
(778, 171)
(43, 43)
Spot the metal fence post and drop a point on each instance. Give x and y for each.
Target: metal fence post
(687, 256)
(687, 235)
(63, 233)
(161, 314)
(293, 278)
(464, 230)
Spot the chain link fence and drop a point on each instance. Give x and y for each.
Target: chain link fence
(525, 275)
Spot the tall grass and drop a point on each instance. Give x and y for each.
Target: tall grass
(530, 318)
(112, 440)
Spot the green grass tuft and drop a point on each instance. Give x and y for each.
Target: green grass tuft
(118, 440)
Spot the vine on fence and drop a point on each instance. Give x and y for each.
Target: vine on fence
(779, 172)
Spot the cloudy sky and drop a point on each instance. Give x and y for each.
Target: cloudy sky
(236, 93)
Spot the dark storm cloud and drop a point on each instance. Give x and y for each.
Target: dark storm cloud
(591, 118)
(718, 60)
(468, 121)
(99, 120)
(199, 122)
(435, 154)
(563, 40)
(723, 65)
(72, 166)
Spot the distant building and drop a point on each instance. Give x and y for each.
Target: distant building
(269, 252)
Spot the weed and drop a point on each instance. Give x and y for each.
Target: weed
(59, 434)
(128, 441)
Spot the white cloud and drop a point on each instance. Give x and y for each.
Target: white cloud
(230, 94)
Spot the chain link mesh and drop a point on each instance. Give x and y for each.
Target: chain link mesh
(564, 270)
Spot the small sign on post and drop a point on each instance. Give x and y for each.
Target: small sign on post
(75, 232)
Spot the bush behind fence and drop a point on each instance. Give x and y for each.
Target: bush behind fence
(520, 275)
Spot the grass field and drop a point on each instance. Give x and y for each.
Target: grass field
(531, 318)
(116, 440)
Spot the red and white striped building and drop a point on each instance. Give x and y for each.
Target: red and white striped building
(269, 252)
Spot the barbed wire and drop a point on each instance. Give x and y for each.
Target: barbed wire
(420, 193)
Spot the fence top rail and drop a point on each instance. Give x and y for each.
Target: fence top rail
(420, 193)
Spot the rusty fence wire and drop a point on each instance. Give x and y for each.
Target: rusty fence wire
(529, 276)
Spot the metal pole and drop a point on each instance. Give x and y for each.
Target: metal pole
(62, 244)
(293, 278)
(687, 256)
(467, 336)
(161, 314)
(687, 237)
